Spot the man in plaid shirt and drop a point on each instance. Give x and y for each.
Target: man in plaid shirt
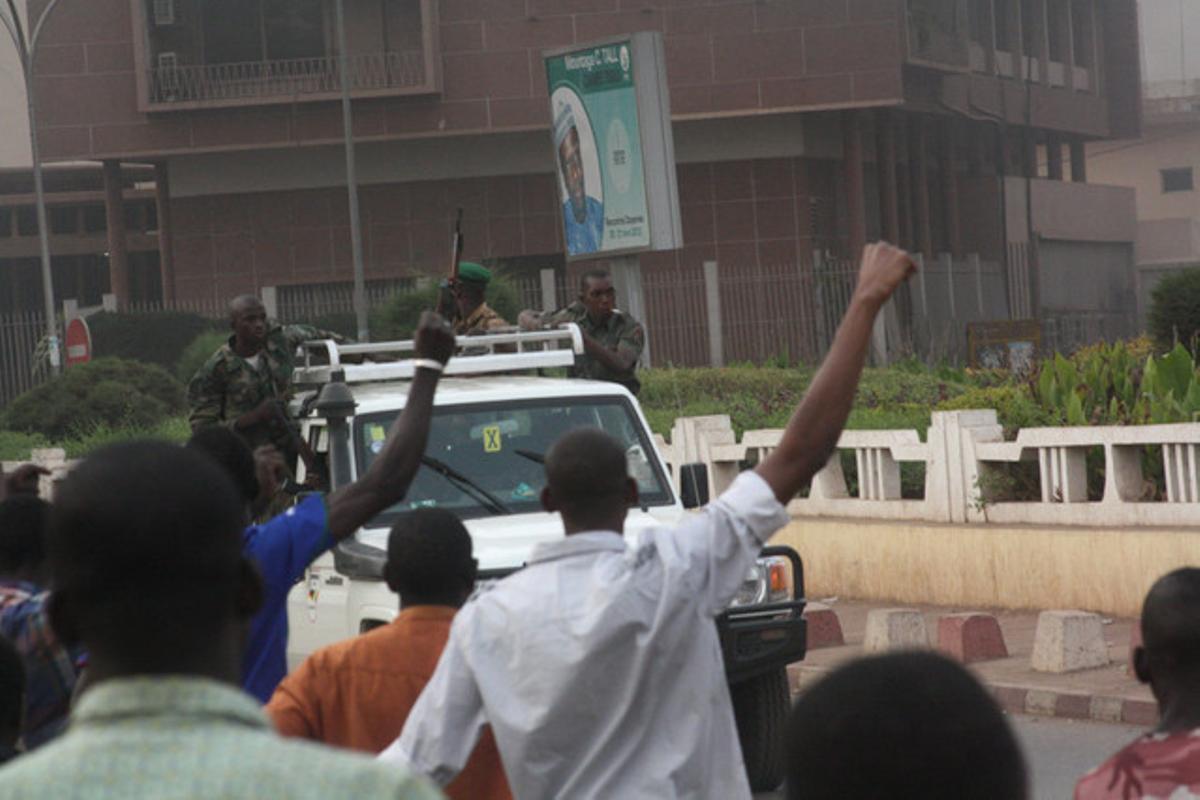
(49, 667)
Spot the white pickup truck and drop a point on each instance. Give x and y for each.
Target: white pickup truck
(493, 421)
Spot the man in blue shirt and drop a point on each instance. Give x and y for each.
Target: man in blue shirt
(284, 546)
(583, 215)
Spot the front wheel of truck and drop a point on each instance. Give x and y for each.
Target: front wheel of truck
(761, 705)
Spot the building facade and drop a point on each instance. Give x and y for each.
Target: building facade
(801, 127)
(1163, 165)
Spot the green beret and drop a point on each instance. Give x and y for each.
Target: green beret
(470, 272)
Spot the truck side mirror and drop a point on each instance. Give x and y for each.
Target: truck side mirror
(693, 485)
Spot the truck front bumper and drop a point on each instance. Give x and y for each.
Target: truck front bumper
(762, 638)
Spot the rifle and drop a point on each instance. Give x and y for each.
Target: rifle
(456, 248)
(302, 449)
(445, 304)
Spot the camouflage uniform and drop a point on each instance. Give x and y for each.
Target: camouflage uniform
(482, 320)
(227, 386)
(620, 333)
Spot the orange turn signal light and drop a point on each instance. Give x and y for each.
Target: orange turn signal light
(779, 578)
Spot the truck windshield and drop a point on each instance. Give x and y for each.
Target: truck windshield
(498, 447)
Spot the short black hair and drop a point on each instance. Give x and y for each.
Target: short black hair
(12, 689)
(232, 454)
(145, 547)
(1171, 619)
(23, 520)
(911, 724)
(586, 471)
(430, 558)
(592, 275)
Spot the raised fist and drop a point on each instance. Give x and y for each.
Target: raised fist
(23, 480)
(434, 337)
(884, 267)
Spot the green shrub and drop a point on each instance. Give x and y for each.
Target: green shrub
(107, 391)
(157, 337)
(1013, 405)
(343, 323)
(397, 318)
(1175, 310)
(15, 446)
(764, 397)
(171, 429)
(196, 353)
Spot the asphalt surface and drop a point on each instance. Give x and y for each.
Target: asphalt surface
(1057, 752)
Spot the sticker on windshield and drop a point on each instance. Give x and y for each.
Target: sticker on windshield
(376, 434)
(491, 439)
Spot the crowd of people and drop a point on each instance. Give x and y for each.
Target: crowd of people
(144, 631)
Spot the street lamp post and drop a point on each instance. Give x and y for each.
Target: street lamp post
(26, 49)
(360, 285)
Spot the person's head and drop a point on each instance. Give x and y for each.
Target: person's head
(1169, 657)
(471, 288)
(23, 520)
(587, 481)
(248, 319)
(429, 560)
(145, 545)
(597, 294)
(911, 724)
(232, 455)
(12, 693)
(570, 161)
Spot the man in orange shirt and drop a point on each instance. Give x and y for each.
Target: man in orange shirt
(359, 692)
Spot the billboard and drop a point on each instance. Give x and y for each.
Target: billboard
(614, 154)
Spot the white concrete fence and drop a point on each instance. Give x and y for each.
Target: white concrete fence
(962, 446)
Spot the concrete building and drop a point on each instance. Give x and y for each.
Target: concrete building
(75, 212)
(1163, 165)
(799, 127)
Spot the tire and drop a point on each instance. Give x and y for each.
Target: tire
(761, 705)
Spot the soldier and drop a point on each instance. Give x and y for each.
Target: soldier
(472, 315)
(612, 340)
(245, 383)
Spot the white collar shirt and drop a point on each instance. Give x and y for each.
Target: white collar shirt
(598, 666)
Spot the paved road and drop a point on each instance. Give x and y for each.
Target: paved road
(1057, 752)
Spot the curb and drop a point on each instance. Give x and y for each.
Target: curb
(1032, 701)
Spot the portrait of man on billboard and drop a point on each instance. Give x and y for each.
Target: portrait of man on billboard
(583, 213)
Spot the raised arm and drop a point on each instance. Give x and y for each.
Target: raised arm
(389, 476)
(813, 431)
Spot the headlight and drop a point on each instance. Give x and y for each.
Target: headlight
(768, 581)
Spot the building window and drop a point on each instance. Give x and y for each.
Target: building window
(1177, 179)
(1000, 21)
(1081, 31)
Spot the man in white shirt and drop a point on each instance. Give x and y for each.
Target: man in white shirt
(598, 665)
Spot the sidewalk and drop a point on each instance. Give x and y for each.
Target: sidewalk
(1108, 694)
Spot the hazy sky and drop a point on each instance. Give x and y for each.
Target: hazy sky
(1163, 21)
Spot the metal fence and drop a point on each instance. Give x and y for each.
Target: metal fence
(789, 313)
(171, 82)
(21, 369)
(317, 302)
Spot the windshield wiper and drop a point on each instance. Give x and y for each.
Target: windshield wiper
(536, 458)
(466, 484)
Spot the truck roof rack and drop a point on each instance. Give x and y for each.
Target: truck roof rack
(477, 355)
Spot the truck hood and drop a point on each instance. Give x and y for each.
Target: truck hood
(506, 542)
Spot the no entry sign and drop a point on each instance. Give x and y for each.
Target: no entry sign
(79, 342)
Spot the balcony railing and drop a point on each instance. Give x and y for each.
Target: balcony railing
(298, 78)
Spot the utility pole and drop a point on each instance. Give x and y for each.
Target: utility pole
(360, 284)
(26, 50)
